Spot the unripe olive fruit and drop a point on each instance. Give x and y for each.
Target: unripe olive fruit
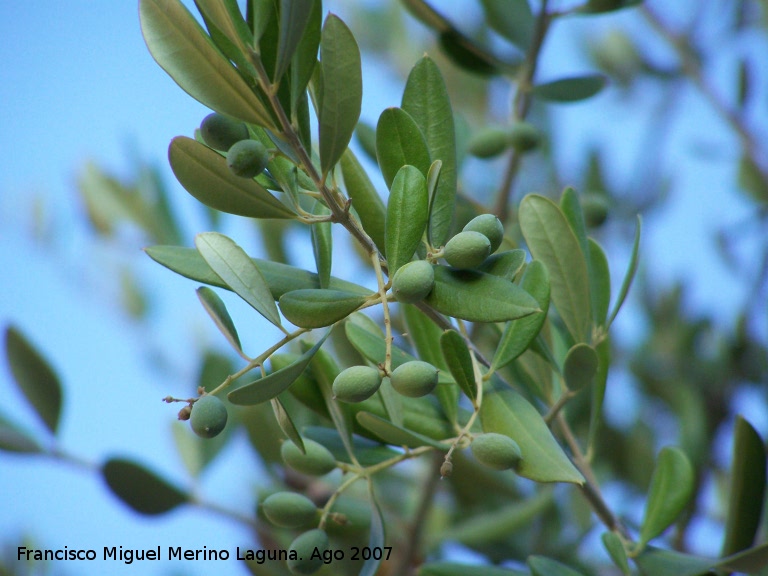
(524, 137)
(289, 509)
(488, 142)
(413, 281)
(247, 158)
(221, 132)
(496, 451)
(209, 416)
(356, 383)
(304, 546)
(490, 227)
(317, 461)
(414, 378)
(467, 249)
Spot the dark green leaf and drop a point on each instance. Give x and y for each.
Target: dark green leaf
(518, 334)
(570, 89)
(322, 245)
(616, 551)
(478, 297)
(312, 308)
(407, 214)
(400, 142)
(542, 566)
(14, 439)
(376, 538)
(752, 179)
(365, 200)
(205, 175)
(305, 59)
(747, 493)
(671, 489)
(580, 366)
(275, 383)
(551, 239)
(467, 55)
(34, 377)
(599, 283)
(512, 19)
(181, 47)
(507, 412)
(396, 435)
(456, 569)
(600, 6)
(459, 361)
(286, 423)
(281, 278)
(142, 490)
(236, 269)
(426, 100)
(219, 314)
(294, 17)
(259, 15)
(598, 390)
(342, 92)
(630, 275)
(504, 264)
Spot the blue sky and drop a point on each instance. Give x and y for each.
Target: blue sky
(78, 84)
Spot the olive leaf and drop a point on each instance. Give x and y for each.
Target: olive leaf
(34, 377)
(376, 538)
(599, 283)
(14, 439)
(368, 452)
(457, 569)
(630, 274)
(286, 423)
(217, 310)
(616, 551)
(505, 264)
(396, 435)
(365, 199)
(400, 142)
(580, 366)
(315, 308)
(139, 488)
(457, 357)
(570, 89)
(512, 19)
(205, 175)
(407, 214)
(294, 18)
(542, 566)
(322, 245)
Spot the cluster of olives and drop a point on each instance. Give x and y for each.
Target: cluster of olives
(245, 157)
(358, 383)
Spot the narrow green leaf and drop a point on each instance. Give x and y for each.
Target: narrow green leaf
(304, 59)
(599, 283)
(368, 452)
(14, 439)
(294, 17)
(365, 199)
(630, 275)
(518, 334)
(505, 264)
(342, 92)
(459, 361)
(512, 19)
(507, 412)
(571, 209)
(478, 297)
(286, 423)
(396, 435)
(376, 538)
(236, 269)
(217, 310)
(425, 99)
(407, 214)
(570, 89)
(550, 239)
(181, 48)
(142, 490)
(275, 383)
(747, 493)
(542, 566)
(657, 562)
(616, 551)
(258, 15)
(601, 6)
(457, 569)
(580, 366)
(281, 278)
(205, 175)
(322, 245)
(34, 377)
(752, 179)
(748, 561)
(598, 390)
(312, 308)
(671, 489)
(400, 142)
(468, 55)
(229, 32)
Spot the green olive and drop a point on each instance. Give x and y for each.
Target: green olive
(221, 132)
(413, 281)
(317, 460)
(304, 547)
(289, 509)
(467, 250)
(209, 416)
(489, 226)
(356, 383)
(247, 158)
(496, 451)
(414, 378)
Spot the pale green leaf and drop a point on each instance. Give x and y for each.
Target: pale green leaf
(14, 439)
(217, 310)
(400, 142)
(457, 569)
(505, 264)
(407, 214)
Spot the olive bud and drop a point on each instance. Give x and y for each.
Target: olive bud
(185, 413)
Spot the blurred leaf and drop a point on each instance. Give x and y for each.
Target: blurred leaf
(747, 493)
(142, 490)
(616, 551)
(286, 423)
(275, 383)
(322, 245)
(504, 264)
(671, 489)
(396, 435)
(14, 439)
(456, 356)
(630, 275)
(220, 316)
(366, 137)
(376, 539)
(315, 308)
(518, 334)
(507, 412)
(34, 377)
(603, 351)
(551, 239)
(541, 566)
(478, 297)
(746, 561)
(181, 48)
(752, 179)
(657, 562)
(368, 452)
(570, 89)
(342, 91)
(580, 366)
(230, 262)
(400, 142)
(365, 199)
(205, 175)
(294, 17)
(571, 209)
(512, 19)
(407, 214)
(600, 6)
(467, 55)
(426, 100)
(281, 278)
(456, 569)
(599, 283)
